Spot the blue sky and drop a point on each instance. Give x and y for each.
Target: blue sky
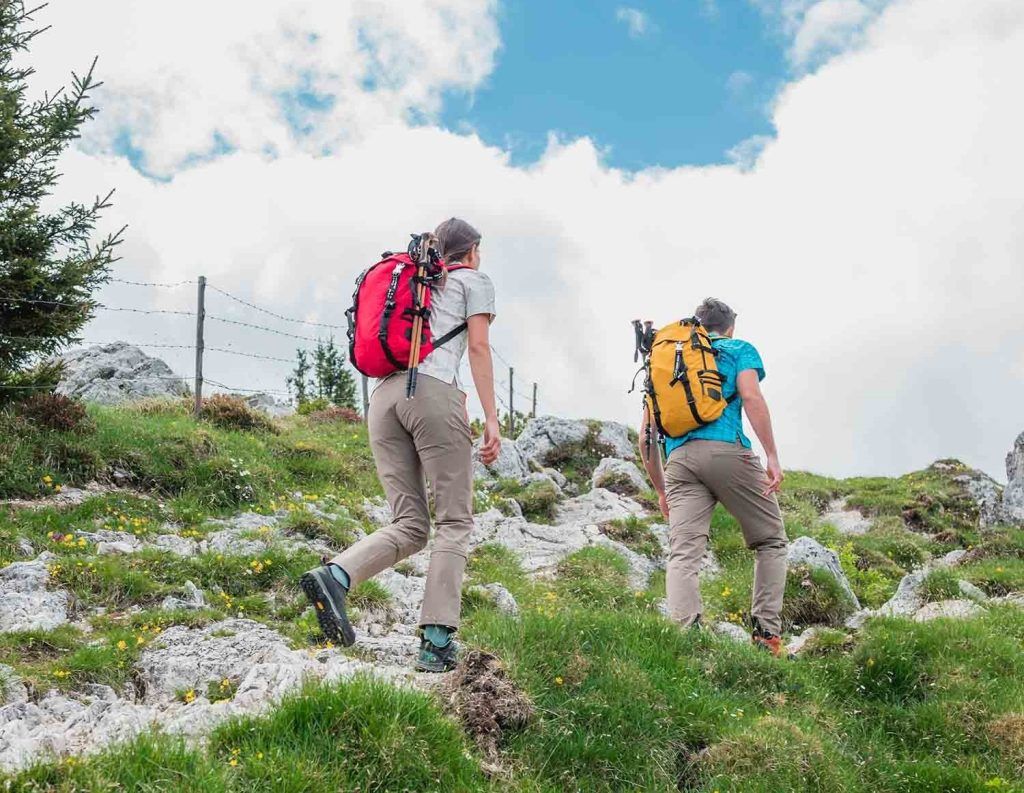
(684, 88)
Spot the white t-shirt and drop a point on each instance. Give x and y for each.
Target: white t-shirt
(464, 294)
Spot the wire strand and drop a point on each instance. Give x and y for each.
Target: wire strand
(150, 283)
(261, 327)
(281, 317)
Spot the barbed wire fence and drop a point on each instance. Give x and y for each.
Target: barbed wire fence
(508, 392)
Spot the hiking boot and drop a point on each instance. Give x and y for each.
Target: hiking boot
(766, 640)
(437, 659)
(769, 642)
(327, 596)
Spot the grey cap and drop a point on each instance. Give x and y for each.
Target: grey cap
(456, 237)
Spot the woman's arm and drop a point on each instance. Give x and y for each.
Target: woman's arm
(482, 367)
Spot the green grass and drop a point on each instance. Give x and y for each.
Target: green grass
(357, 736)
(635, 533)
(623, 699)
(536, 499)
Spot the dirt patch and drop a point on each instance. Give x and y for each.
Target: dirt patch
(487, 702)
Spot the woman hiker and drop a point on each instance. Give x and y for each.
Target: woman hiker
(427, 436)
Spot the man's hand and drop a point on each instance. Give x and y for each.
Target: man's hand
(491, 447)
(775, 475)
(663, 503)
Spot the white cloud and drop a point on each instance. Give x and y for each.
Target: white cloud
(635, 20)
(821, 28)
(872, 249)
(179, 77)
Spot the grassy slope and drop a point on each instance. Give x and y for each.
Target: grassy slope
(624, 700)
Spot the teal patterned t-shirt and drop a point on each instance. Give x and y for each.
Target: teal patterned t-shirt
(734, 356)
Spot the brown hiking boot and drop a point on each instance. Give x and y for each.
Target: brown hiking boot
(766, 640)
(769, 642)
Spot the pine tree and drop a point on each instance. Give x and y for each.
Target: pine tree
(49, 266)
(331, 383)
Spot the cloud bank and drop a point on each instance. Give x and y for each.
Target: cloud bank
(873, 248)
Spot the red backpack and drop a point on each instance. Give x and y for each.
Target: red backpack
(383, 308)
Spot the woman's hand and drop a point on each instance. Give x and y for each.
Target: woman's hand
(491, 447)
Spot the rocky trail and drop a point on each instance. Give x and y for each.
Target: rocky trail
(240, 666)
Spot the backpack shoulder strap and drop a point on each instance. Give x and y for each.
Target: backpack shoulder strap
(450, 335)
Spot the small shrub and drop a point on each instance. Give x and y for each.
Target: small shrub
(333, 414)
(577, 461)
(635, 534)
(54, 412)
(537, 499)
(315, 405)
(231, 413)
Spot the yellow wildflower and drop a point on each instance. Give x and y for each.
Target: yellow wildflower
(558, 681)
(122, 645)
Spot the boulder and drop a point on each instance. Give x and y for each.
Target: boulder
(731, 630)
(192, 599)
(26, 604)
(596, 507)
(799, 643)
(111, 374)
(985, 492)
(907, 599)
(501, 597)
(1013, 496)
(619, 476)
(847, 521)
(267, 404)
(971, 592)
(511, 462)
(948, 609)
(810, 552)
(545, 435)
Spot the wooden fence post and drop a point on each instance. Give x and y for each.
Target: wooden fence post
(200, 319)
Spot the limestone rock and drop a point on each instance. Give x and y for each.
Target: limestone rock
(808, 551)
(544, 435)
(191, 658)
(948, 609)
(26, 603)
(191, 600)
(597, 507)
(1013, 495)
(731, 630)
(799, 643)
(111, 374)
(378, 511)
(11, 688)
(268, 404)
(619, 476)
(985, 492)
(971, 592)
(907, 599)
(511, 462)
(502, 598)
(847, 521)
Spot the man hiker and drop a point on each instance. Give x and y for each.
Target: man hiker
(426, 436)
(714, 463)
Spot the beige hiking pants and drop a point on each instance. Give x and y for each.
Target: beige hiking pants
(412, 438)
(699, 474)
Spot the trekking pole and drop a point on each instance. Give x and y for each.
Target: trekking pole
(424, 249)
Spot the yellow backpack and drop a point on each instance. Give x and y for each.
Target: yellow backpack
(683, 385)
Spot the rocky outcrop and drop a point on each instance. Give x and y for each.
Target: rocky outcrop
(1013, 495)
(545, 436)
(26, 602)
(948, 609)
(511, 463)
(503, 600)
(810, 552)
(847, 521)
(111, 374)
(619, 476)
(268, 404)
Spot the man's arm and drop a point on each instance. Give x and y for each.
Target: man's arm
(651, 456)
(756, 408)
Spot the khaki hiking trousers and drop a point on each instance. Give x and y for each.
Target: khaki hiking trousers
(427, 436)
(698, 475)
